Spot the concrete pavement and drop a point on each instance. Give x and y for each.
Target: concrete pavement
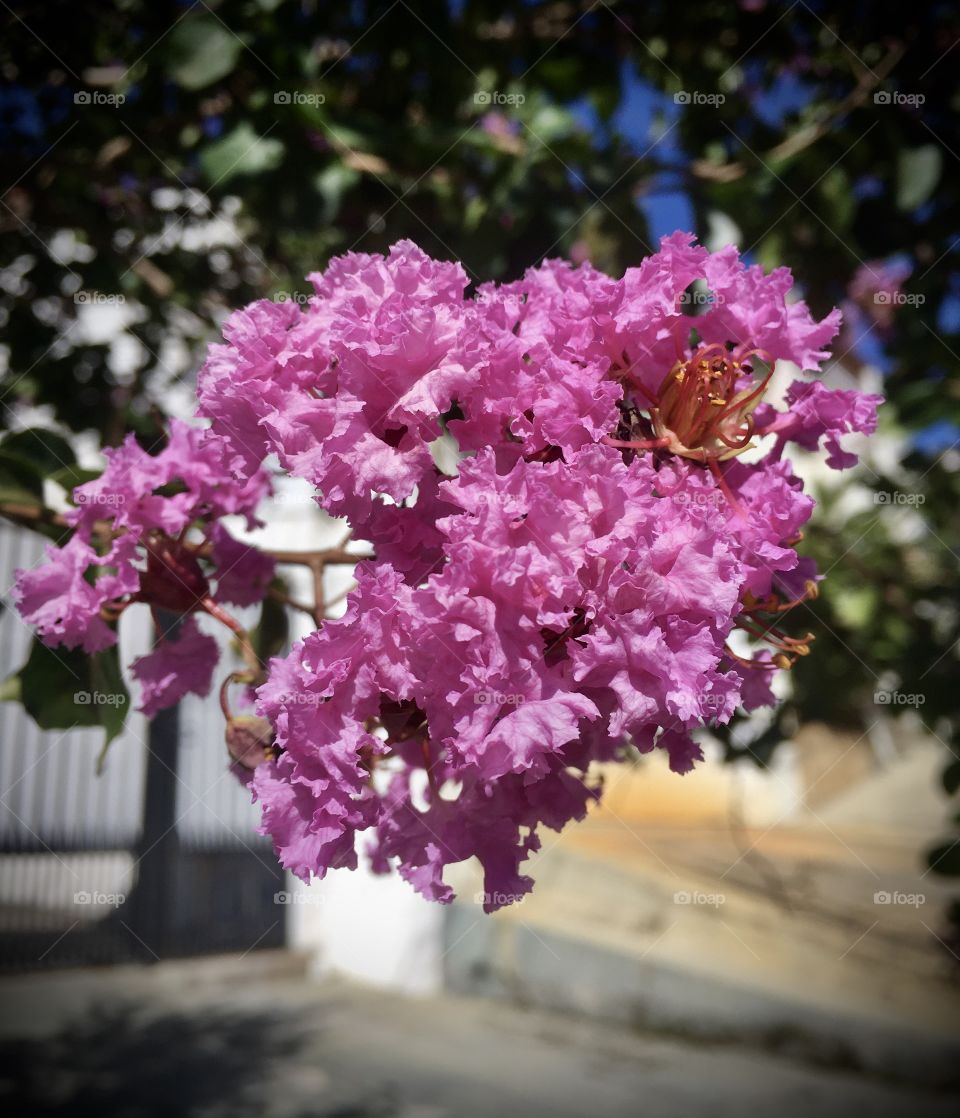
(236, 1037)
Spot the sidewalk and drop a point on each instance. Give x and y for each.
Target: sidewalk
(808, 932)
(243, 1037)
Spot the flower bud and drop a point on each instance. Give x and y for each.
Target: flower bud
(249, 740)
(174, 579)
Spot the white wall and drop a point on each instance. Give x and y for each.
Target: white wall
(353, 923)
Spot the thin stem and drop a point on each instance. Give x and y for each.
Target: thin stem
(233, 677)
(717, 471)
(243, 637)
(34, 517)
(225, 698)
(319, 605)
(636, 444)
(286, 600)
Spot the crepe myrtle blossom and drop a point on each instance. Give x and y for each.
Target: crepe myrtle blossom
(570, 595)
(148, 530)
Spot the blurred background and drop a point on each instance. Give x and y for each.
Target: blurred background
(777, 928)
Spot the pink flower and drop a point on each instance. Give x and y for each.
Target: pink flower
(568, 595)
(129, 545)
(182, 663)
(60, 603)
(816, 414)
(567, 592)
(493, 668)
(243, 572)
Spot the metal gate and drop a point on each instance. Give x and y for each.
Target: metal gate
(156, 858)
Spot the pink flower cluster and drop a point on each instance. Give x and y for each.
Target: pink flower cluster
(149, 530)
(569, 594)
(572, 591)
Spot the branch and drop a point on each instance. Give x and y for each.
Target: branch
(313, 558)
(317, 562)
(286, 600)
(35, 516)
(29, 516)
(810, 133)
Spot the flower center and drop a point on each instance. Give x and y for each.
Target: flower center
(704, 408)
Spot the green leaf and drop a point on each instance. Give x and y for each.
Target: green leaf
(945, 859)
(66, 688)
(21, 483)
(10, 689)
(272, 631)
(857, 605)
(474, 212)
(549, 125)
(951, 778)
(201, 51)
(332, 184)
(46, 450)
(835, 187)
(240, 152)
(918, 172)
(108, 680)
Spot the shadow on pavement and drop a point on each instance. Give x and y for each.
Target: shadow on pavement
(119, 1062)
